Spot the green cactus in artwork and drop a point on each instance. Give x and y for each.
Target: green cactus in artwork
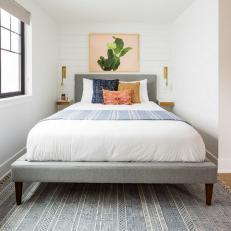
(115, 51)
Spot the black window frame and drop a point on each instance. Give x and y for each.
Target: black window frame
(22, 53)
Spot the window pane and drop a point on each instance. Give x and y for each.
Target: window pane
(5, 19)
(15, 24)
(15, 42)
(5, 39)
(10, 72)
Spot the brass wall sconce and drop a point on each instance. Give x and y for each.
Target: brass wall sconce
(166, 75)
(64, 74)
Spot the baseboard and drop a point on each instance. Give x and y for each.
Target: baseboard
(212, 157)
(5, 167)
(224, 165)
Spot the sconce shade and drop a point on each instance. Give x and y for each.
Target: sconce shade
(166, 75)
(64, 72)
(165, 72)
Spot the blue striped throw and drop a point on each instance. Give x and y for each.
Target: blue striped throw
(113, 115)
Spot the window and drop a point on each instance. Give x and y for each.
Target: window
(12, 57)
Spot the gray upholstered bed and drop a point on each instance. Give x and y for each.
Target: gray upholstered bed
(115, 172)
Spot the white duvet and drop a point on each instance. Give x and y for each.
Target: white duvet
(111, 140)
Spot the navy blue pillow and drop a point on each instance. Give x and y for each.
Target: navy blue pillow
(99, 85)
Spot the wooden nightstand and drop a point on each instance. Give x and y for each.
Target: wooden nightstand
(61, 104)
(166, 105)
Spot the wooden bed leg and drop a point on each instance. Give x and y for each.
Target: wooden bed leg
(209, 193)
(18, 192)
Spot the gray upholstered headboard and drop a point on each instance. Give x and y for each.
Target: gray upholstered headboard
(123, 77)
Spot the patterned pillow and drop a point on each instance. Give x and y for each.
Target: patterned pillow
(135, 87)
(117, 97)
(99, 85)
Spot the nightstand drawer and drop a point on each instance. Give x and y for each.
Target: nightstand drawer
(166, 105)
(62, 104)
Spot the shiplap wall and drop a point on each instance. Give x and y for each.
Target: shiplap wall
(154, 51)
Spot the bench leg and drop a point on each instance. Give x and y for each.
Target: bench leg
(209, 193)
(18, 192)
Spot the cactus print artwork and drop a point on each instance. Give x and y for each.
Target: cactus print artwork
(113, 52)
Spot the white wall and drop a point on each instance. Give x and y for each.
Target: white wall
(154, 47)
(224, 161)
(194, 64)
(18, 116)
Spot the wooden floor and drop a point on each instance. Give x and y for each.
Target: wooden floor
(225, 178)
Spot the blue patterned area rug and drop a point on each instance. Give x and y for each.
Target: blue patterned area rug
(113, 207)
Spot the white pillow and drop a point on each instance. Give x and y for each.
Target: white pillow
(87, 91)
(143, 89)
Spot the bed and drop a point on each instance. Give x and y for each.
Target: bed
(114, 151)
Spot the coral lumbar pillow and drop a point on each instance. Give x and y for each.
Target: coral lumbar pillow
(117, 97)
(134, 87)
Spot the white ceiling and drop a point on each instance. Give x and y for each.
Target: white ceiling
(114, 11)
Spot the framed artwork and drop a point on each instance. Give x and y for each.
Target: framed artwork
(114, 53)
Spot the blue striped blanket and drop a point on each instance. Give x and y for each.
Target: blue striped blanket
(113, 115)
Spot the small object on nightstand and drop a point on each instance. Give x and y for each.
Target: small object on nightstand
(166, 105)
(63, 97)
(61, 104)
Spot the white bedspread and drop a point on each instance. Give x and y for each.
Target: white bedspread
(133, 140)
